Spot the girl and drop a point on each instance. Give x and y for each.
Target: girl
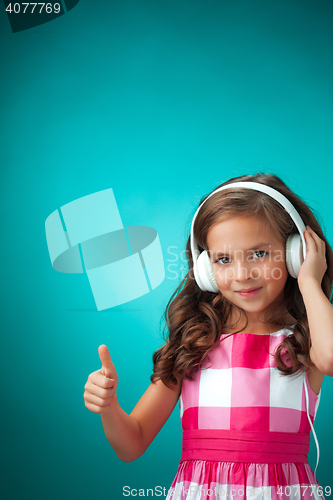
(246, 361)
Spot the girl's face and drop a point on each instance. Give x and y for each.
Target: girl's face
(246, 254)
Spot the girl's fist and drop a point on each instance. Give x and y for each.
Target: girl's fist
(100, 389)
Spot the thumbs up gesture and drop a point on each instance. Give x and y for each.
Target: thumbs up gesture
(100, 389)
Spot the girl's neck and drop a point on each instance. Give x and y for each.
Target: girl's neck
(257, 328)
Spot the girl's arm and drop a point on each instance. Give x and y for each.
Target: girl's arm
(319, 309)
(130, 435)
(320, 317)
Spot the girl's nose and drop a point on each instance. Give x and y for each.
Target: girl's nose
(242, 271)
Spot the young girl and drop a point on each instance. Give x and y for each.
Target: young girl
(250, 339)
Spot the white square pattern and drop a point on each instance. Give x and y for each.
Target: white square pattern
(287, 391)
(215, 387)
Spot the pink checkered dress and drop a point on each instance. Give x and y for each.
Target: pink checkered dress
(246, 427)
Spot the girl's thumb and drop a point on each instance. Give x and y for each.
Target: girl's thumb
(107, 365)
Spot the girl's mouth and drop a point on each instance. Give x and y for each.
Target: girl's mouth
(249, 294)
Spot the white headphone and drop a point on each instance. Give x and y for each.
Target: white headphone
(295, 245)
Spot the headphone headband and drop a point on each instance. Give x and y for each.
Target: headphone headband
(276, 195)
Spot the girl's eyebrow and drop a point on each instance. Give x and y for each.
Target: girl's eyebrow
(260, 245)
(254, 248)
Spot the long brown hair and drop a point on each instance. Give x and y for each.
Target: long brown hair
(194, 318)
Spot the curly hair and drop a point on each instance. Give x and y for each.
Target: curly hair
(195, 318)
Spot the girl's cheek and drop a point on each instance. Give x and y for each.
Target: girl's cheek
(274, 271)
(222, 277)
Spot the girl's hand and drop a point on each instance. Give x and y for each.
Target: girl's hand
(100, 389)
(314, 265)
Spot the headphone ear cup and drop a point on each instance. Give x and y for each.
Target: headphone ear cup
(294, 254)
(206, 274)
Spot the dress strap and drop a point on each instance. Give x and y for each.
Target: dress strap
(307, 411)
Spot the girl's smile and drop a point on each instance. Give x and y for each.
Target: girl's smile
(250, 293)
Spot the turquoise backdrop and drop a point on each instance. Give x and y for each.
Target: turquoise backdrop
(161, 101)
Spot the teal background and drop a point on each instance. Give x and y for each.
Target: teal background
(162, 101)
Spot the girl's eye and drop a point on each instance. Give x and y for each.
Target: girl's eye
(220, 259)
(261, 251)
